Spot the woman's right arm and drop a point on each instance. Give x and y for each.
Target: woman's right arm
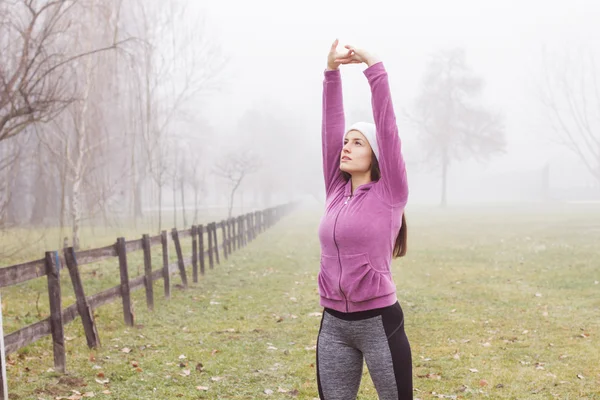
(332, 129)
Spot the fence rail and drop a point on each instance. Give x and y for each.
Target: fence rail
(235, 233)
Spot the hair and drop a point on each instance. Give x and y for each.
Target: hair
(401, 239)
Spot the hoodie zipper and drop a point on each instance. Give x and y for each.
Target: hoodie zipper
(338, 249)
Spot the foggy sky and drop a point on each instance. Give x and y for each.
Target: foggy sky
(278, 52)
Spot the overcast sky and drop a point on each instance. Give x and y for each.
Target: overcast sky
(279, 49)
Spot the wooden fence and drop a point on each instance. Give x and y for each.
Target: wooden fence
(235, 233)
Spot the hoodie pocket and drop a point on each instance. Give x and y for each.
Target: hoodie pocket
(361, 282)
(329, 278)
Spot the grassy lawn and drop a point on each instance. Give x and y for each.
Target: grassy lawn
(500, 303)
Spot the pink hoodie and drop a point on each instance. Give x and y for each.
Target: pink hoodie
(358, 231)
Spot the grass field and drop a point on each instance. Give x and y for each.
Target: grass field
(500, 303)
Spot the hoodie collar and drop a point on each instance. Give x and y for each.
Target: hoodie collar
(364, 187)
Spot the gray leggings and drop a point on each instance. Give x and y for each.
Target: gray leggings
(379, 337)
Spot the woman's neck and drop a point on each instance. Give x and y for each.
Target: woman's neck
(360, 179)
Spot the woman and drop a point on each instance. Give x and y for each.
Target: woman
(362, 229)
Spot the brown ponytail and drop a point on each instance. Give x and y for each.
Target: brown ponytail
(400, 245)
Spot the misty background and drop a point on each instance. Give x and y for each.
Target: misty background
(159, 114)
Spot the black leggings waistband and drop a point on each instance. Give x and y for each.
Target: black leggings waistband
(358, 315)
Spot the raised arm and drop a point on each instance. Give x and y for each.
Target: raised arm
(393, 183)
(333, 120)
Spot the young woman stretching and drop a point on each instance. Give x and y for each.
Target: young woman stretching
(362, 229)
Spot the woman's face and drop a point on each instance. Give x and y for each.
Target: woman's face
(356, 154)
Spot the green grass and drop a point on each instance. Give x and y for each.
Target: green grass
(509, 292)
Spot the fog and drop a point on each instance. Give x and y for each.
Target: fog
(279, 50)
(152, 114)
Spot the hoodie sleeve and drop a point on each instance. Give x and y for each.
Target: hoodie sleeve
(393, 186)
(332, 129)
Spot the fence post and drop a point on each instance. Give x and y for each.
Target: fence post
(164, 240)
(56, 321)
(194, 254)
(229, 235)
(180, 262)
(239, 232)
(210, 246)
(148, 272)
(85, 311)
(3, 377)
(201, 248)
(214, 231)
(127, 311)
(224, 231)
(244, 230)
(234, 234)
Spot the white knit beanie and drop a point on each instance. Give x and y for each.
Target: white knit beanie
(368, 130)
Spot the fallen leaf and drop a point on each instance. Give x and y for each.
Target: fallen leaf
(486, 344)
(126, 350)
(89, 394)
(185, 372)
(202, 388)
(271, 348)
(473, 370)
(314, 314)
(106, 392)
(199, 367)
(268, 391)
(538, 295)
(215, 351)
(483, 382)
(134, 364)
(499, 386)
(102, 381)
(216, 378)
(580, 376)
(182, 357)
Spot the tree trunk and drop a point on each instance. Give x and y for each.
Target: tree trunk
(40, 203)
(174, 203)
(159, 208)
(445, 163)
(182, 188)
(237, 184)
(195, 205)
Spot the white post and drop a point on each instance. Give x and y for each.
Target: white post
(3, 354)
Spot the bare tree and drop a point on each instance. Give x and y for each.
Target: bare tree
(10, 152)
(233, 168)
(179, 67)
(35, 62)
(452, 123)
(78, 135)
(571, 97)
